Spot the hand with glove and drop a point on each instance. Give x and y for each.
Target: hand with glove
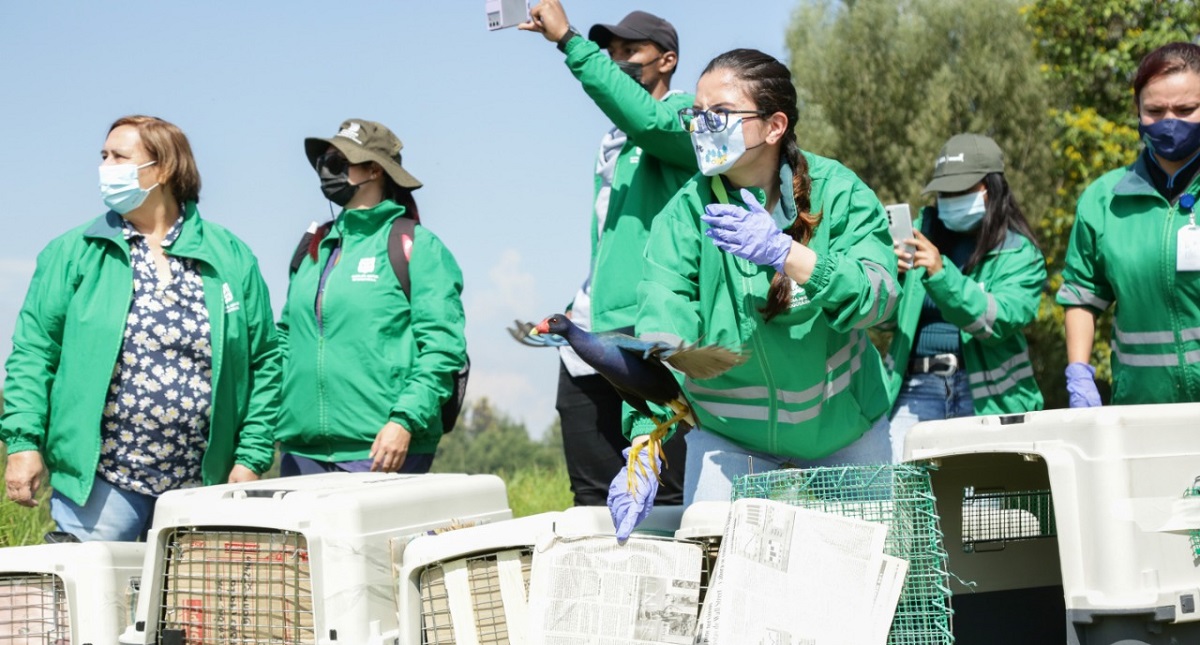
(631, 493)
(751, 234)
(1081, 386)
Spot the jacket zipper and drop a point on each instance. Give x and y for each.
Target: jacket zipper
(322, 394)
(1169, 270)
(759, 351)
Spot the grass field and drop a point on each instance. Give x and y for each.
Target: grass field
(530, 491)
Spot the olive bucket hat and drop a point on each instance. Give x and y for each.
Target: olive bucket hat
(963, 162)
(362, 141)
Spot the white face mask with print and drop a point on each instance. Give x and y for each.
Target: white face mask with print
(716, 152)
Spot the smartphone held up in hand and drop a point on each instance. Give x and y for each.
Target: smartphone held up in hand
(505, 13)
(900, 225)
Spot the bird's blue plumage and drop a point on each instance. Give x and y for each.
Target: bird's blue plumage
(633, 366)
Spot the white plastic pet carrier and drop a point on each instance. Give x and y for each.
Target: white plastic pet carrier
(468, 587)
(1085, 521)
(704, 522)
(294, 561)
(662, 521)
(58, 594)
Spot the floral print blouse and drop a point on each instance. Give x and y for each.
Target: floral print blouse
(155, 426)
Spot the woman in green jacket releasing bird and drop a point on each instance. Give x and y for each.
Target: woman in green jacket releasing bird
(797, 265)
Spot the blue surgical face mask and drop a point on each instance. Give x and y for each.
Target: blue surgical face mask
(716, 152)
(1172, 139)
(962, 213)
(120, 189)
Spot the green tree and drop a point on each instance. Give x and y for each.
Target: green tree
(489, 441)
(1091, 48)
(884, 83)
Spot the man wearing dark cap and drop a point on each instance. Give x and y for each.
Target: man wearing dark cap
(643, 160)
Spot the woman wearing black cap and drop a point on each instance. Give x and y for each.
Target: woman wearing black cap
(971, 285)
(368, 363)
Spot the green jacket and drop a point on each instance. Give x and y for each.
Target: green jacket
(990, 306)
(1122, 253)
(657, 159)
(375, 357)
(69, 335)
(813, 382)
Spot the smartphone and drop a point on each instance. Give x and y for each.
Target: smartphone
(505, 13)
(900, 225)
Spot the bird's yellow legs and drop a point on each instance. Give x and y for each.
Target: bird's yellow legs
(654, 445)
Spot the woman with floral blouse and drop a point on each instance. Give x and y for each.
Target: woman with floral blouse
(144, 358)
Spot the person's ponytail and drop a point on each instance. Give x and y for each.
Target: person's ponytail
(779, 298)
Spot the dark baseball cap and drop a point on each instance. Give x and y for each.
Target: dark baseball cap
(362, 141)
(638, 25)
(963, 162)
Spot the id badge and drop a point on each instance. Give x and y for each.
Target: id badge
(1187, 250)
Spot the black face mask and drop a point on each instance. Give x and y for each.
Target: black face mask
(336, 185)
(634, 70)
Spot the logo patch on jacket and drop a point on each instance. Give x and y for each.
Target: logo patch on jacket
(366, 271)
(799, 296)
(231, 305)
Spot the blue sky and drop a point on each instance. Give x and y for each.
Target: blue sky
(495, 126)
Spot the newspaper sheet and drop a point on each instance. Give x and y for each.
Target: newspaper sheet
(887, 594)
(594, 591)
(791, 576)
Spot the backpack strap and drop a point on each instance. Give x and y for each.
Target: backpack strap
(302, 249)
(398, 250)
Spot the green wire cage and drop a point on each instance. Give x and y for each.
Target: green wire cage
(899, 496)
(1194, 535)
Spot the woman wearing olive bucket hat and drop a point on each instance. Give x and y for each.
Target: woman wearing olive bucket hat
(367, 363)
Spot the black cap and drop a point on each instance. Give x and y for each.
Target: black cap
(638, 25)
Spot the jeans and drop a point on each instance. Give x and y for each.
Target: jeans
(928, 397)
(590, 411)
(714, 462)
(292, 465)
(110, 514)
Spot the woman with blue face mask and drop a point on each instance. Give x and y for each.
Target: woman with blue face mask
(144, 358)
(779, 252)
(971, 284)
(1135, 246)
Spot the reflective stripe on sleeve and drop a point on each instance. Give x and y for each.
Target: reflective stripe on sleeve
(1075, 295)
(983, 327)
(883, 286)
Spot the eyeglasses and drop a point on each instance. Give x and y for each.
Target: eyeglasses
(694, 120)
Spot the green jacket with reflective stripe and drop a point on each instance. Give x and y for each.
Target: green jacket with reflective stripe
(813, 382)
(990, 306)
(1122, 253)
(69, 334)
(657, 159)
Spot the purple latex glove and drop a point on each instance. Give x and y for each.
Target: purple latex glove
(630, 508)
(1081, 386)
(749, 234)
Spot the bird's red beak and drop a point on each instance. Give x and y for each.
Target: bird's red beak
(543, 327)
